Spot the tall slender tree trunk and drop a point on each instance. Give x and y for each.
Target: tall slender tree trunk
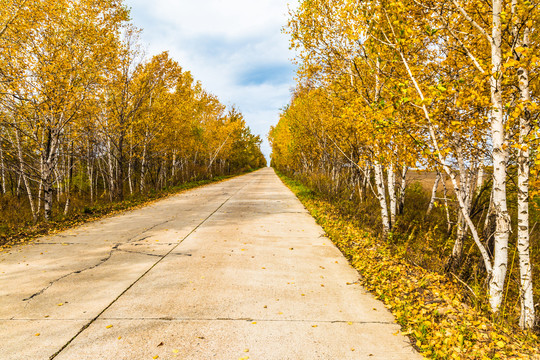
(130, 161)
(527, 313)
(2, 169)
(143, 169)
(480, 177)
(69, 175)
(381, 196)
(90, 170)
(111, 175)
(173, 166)
(391, 178)
(500, 259)
(47, 175)
(23, 176)
(402, 186)
(461, 231)
(446, 208)
(120, 169)
(433, 193)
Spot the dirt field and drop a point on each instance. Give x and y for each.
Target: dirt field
(427, 179)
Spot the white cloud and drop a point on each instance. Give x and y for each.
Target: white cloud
(234, 47)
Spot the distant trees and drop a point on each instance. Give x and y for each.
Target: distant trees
(82, 110)
(386, 85)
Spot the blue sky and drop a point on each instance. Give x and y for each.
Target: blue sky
(234, 47)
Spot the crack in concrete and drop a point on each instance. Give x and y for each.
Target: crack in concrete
(242, 319)
(54, 243)
(149, 254)
(101, 261)
(147, 271)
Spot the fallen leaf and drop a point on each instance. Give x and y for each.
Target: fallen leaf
(108, 326)
(38, 334)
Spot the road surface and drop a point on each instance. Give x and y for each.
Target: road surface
(232, 270)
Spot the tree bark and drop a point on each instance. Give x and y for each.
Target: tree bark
(433, 193)
(381, 196)
(527, 313)
(402, 186)
(69, 175)
(2, 169)
(391, 178)
(143, 169)
(500, 259)
(23, 176)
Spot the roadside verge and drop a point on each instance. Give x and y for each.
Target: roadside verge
(430, 307)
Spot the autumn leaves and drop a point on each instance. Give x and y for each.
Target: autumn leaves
(388, 85)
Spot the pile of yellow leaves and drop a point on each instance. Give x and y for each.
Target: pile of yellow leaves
(430, 307)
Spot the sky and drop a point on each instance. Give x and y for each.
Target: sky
(236, 48)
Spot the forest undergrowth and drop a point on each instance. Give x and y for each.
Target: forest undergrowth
(435, 309)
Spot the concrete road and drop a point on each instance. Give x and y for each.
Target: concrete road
(233, 270)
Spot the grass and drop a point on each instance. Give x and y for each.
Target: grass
(430, 307)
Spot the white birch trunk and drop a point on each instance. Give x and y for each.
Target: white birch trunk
(111, 170)
(381, 196)
(403, 185)
(90, 170)
(23, 176)
(502, 232)
(464, 186)
(480, 177)
(433, 193)
(391, 178)
(527, 313)
(173, 165)
(143, 169)
(68, 175)
(2, 169)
